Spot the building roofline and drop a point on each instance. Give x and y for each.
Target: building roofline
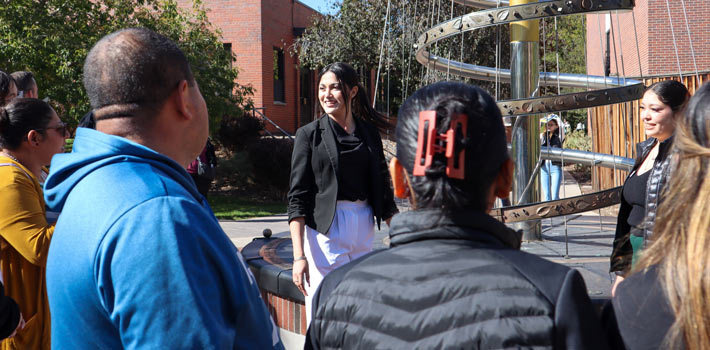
(308, 7)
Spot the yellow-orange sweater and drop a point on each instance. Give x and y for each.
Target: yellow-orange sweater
(23, 253)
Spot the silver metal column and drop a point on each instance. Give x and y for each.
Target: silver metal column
(525, 72)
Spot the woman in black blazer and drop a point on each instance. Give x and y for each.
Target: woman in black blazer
(340, 184)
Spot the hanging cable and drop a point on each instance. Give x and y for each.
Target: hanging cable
(498, 48)
(621, 44)
(690, 40)
(623, 74)
(613, 41)
(601, 48)
(382, 48)
(448, 61)
(638, 51)
(461, 30)
(675, 46)
(411, 53)
(595, 171)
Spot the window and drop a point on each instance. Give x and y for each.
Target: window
(228, 49)
(279, 85)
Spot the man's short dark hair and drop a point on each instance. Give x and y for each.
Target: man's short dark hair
(133, 71)
(24, 80)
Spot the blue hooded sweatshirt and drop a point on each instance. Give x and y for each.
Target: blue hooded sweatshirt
(138, 260)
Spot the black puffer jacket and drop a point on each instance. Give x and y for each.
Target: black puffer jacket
(622, 250)
(453, 282)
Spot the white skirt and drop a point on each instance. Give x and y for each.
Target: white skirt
(349, 237)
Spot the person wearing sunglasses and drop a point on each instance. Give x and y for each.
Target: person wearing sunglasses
(30, 134)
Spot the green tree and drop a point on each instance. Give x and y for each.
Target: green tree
(51, 38)
(562, 46)
(354, 34)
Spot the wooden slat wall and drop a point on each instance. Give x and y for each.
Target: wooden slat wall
(615, 129)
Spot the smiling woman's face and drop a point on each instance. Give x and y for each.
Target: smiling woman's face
(332, 95)
(657, 117)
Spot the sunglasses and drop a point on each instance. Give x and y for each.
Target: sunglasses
(61, 129)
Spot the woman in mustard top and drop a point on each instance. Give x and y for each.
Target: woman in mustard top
(30, 134)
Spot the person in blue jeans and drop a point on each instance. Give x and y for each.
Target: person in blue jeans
(551, 171)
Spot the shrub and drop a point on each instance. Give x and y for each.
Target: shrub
(578, 140)
(233, 171)
(236, 133)
(270, 160)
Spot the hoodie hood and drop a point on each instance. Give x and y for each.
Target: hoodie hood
(93, 150)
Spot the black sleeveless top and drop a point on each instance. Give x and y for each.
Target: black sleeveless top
(635, 194)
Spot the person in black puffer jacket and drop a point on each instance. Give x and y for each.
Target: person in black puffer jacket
(453, 277)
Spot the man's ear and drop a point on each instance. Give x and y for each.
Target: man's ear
(399, 182)
(504, 179)
(182, 99)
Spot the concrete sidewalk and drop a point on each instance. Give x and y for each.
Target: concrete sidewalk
(582, 242)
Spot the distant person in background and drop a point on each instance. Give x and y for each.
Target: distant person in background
(664, 303)
(202, 169)
(26, 84)
(551, 171)
(662, 104)
(8, 89)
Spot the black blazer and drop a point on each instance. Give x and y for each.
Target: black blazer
(314, 169)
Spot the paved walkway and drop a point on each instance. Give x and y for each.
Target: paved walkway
(582, 242)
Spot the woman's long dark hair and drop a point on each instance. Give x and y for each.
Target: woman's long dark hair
(348, 78)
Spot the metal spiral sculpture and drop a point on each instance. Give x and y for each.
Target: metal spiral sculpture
(607, 90)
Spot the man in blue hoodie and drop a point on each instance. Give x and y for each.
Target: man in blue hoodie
(138, 260)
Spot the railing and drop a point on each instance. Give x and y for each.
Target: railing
(258, 112)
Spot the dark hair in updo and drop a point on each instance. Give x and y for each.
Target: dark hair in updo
(19, 117)
(672, 93)
(5, 82)
(484, 144)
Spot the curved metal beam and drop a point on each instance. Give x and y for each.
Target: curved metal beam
(504, 15)
(586, 158)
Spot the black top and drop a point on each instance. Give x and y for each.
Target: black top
(453, 281)
(635, 194)
(554, 141)
(354, 160)
(642, 312)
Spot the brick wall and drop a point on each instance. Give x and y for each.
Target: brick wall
(255, 28)
(655, 39)
(287, 314)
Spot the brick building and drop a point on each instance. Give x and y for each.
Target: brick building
(259, 33)
(611, 39)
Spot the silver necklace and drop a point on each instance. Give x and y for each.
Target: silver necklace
(10, 156)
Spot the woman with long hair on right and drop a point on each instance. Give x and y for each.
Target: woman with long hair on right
(665, 303)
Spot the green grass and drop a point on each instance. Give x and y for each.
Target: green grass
(232, 208)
